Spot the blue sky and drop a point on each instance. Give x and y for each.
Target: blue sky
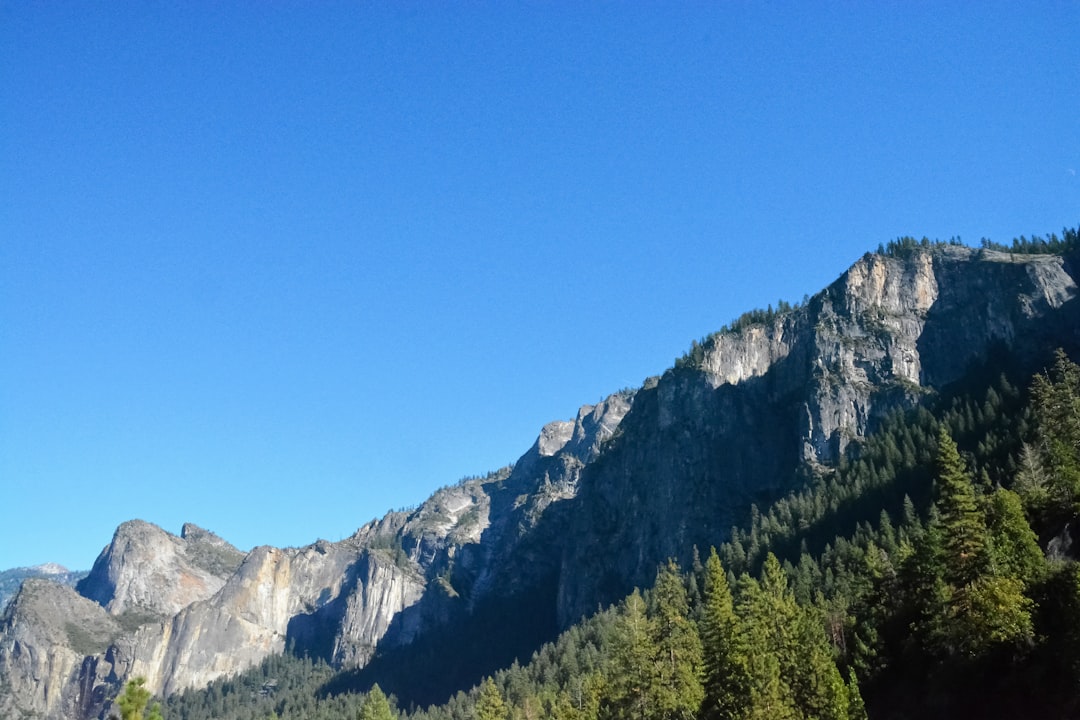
(275, 268)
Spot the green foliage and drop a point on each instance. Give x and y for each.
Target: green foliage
(219, 560)
(1013, 544)
(632, 674)
(906, 581)
(965, 539)
(907, 246)
(1052, 245)
(282, 686)
(376, 706)
(134, 700)
(1054, 465)
(489, 703)
(677, 645)
(85, 641)
(991, 611)
(695, 356)
(726, 657)
(390, 546)
(970, 604)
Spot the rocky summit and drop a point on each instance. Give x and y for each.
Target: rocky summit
(584, 516)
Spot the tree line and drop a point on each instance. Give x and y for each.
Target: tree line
(928, 574)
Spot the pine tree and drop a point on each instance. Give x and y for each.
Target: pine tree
(375, 706)
(967, 586)
(632, 671)
(725, 656)
(1014, 546)
(678, 648)
(1056, 406)
(965, 540)
(1033, 483)
(856, 709)
(135, 700)
(489, 702)
(815, 681)
(768, 619)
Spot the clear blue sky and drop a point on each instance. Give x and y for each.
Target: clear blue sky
(274, 268)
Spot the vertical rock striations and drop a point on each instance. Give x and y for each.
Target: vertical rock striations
(759, 405)
(588, 511)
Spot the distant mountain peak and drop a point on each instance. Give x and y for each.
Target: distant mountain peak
(50, 569)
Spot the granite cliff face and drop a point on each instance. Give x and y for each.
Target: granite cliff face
(582, 517)
(12, 580)
(766, 404)
(183, 611)
(53, 658)
(146, 570)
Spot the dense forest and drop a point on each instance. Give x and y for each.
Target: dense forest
(931, 573)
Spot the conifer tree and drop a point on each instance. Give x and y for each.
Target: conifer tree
(968, 602)
(815, 681)
(1056, 406)
(678, 648)
(767, 620)
(376, 706)
(489, 703)
(632, 673)
(134, 702)
(725, 655)
(1014, 546)
(856, 709)
(965, 540)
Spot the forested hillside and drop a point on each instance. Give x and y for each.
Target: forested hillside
(929, 573)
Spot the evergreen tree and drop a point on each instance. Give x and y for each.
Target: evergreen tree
(489, 702)
(1056, 405)
(1014, 546)
(134, 700)
(767, 619)
(1033, 483)
(376, 706)
(679, 655)
(991, 611)
(632, 673)
(856, 709)
(965, 540)
(967, 587)
(725, 655)
(815, 681)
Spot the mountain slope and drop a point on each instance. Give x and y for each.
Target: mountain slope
(587, 513)
(762, 406)
(12, 580)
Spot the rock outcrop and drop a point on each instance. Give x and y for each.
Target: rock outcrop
(737, 424)
(585, 514)
(55, 654)
(12, 580)
(147, 570)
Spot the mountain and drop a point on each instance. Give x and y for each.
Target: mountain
(12, 580)
(487, 570)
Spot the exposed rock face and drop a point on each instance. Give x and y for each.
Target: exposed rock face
(587, 513)
(312, 595)
(707, 441)
(184, 611)
(52, 638)
(12, 580)
(146, 570)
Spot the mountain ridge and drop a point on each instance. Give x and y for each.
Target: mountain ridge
(584, 515)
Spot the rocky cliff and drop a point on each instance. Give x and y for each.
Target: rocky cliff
(583, 516)
(12, 580)
(184, 610)
(763, 406)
